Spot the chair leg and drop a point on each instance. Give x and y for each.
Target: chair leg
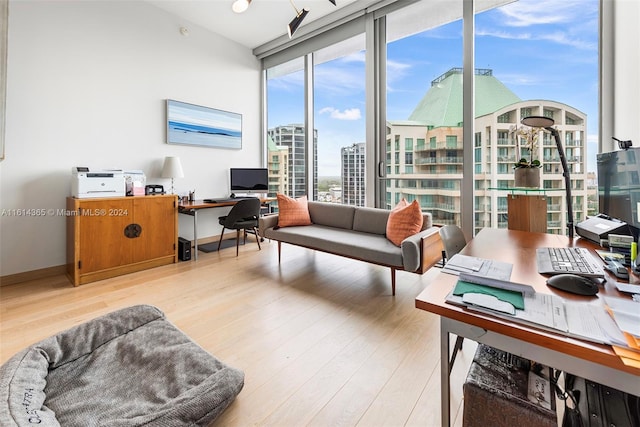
(220, 241)
(393, 281)
(237, 241)
(255, 230)
(456, 347)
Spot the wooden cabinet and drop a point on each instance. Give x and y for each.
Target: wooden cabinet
(107, 237)
(527, 213)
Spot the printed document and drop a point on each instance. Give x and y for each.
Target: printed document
(583, 320)
(478, 267)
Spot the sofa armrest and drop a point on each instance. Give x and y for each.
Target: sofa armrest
(422, 251)
(265, 222)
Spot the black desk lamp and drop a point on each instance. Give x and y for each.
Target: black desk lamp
(547, 123)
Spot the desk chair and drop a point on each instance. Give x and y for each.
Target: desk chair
(453, 241)
(243, 216)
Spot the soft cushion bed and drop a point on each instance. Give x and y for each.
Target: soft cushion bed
(128, 368)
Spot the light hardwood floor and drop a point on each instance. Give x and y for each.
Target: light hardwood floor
(320, 338)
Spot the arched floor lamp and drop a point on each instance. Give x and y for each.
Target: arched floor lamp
(547, 123)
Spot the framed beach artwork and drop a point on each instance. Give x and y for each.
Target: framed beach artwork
(189, 124)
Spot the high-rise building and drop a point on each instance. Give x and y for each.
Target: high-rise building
(292, 137)
(425, 153)
(278, 168)
(352, 174)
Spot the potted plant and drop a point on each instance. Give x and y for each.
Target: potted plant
(527, 169)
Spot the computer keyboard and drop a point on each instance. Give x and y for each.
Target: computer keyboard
(225, 200)
(568, 260)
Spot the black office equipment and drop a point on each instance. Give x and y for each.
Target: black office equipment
(249, 180)
(568, 260)
(153, 189)
(617, 269)
(619, 186)
(572, 283)
(184, 249)
(597, 228)
(227, 199)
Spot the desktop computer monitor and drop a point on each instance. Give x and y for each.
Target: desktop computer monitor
(619, 186)
(249, 180)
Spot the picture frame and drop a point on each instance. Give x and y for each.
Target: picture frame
(189, 124)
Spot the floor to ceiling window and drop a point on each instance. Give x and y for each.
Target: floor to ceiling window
(541, 59)
(286, 145)
(531, 58)
(424, 108)
(339, 117)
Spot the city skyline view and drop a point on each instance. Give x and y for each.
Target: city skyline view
(537, 49)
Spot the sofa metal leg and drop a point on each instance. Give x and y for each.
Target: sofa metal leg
(279, 250)
(393, 281)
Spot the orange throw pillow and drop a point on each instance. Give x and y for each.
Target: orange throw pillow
(404, 220)
(293, 211)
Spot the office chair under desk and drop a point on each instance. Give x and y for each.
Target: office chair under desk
(453, 241)
(242, 216)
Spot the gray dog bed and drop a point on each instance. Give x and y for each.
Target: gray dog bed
(128, 368)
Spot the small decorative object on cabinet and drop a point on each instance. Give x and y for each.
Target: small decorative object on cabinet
(108, 237)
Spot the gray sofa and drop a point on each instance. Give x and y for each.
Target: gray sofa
(358, 233)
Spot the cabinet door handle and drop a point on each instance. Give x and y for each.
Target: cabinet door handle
(132, 231)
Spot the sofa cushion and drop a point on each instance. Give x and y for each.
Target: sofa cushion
(353, 244)
(371, 220)
(293, 211)
(404, 220)
(332, 214)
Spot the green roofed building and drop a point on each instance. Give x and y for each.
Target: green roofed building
(442, 104)
(424, 154)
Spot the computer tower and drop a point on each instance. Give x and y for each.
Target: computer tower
(184, 249)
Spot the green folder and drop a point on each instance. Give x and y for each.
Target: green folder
(514, 298)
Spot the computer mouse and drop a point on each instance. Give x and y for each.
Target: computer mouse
(619, 270)
(573, 283)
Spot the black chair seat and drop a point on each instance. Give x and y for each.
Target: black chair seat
(243, 216)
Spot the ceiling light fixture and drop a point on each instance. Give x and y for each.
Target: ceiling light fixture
(240, 6)
(295, 23)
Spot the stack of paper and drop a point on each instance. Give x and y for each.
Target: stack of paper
(626, 314)
(478, 267)
(585, 320)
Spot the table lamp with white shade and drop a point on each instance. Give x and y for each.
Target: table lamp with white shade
(172, 168)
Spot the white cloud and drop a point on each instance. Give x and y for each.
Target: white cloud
(348, 114)
(556, 37)
(526, 13)
(532, 13)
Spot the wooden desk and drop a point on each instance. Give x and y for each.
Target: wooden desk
(192, 208)
(596, 362)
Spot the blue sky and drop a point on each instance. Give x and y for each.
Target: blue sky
(540, 49)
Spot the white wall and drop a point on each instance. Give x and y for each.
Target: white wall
(87, 84)
(626, 77)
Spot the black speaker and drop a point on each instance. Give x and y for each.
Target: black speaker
(184, 249)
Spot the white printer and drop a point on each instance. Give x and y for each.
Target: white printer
(100, 183)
